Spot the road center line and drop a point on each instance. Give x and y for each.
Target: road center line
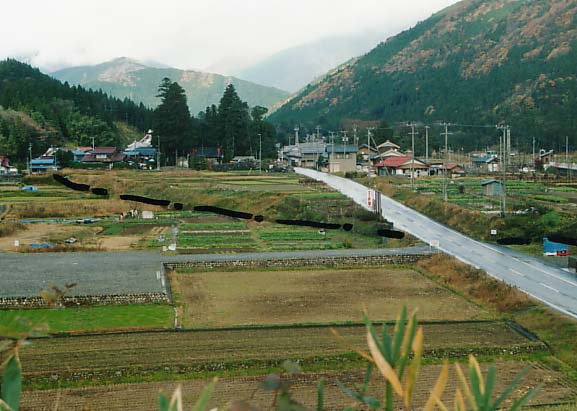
(549, 287)
(516, 272)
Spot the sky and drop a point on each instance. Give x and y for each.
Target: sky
(189, 34)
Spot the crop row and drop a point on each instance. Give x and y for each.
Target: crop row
(292, 235)
(152, 350)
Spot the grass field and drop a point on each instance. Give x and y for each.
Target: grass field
(98, 318)
(222, 299)
(144, 396)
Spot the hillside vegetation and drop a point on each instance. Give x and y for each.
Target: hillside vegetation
(477, 62)
(38, 110)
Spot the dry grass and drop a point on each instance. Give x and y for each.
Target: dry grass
(8, 228)
(476, 284)
(69, 209)
(221, 299)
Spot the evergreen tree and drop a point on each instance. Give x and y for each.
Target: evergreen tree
(173, 123)
(234, 119)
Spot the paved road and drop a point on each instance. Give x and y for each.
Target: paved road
(552, 286)
(101, 273)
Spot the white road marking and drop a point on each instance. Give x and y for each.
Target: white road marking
(516, 272)
(549, 287)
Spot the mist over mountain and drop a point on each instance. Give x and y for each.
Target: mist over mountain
(127, 78)
(478, 62)
(295, 67)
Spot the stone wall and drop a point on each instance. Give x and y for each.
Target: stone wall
(349, 261)
(80, 300)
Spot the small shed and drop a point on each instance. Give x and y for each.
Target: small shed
(492, 188)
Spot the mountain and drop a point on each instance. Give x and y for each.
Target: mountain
(37, 110)
(478, 62)
(139, 82)
(295, 67)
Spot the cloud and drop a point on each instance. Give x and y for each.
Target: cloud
(188, 34)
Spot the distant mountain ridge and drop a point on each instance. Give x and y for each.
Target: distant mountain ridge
(476, 62)
(128, 78)
(295, 67)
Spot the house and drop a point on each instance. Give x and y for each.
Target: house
(43, 163)
(310, 153)
(486, 164)
(367, 154)
(5, 169)
(492, 188)
(145, 157)
(402, 166)
(212, 155)
(342, 158)
(103, 155)
(387, 146)
(453, 170)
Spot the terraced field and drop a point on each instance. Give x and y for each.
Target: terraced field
(143, 396)
(116, 356)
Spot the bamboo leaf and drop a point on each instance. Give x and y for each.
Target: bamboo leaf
(437, 392)
(459, 401)
(475, 364)
(176, 400)
(384, 366)
(414, 368)
(321, 395)
(163, 402)
(511, 387)
(465, 386)
(399, 332)
(367, 379)
(489, 386)
(12, 381)
(205, 396)
(526, 398)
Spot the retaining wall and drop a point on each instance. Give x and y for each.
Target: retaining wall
(34, 302)
(300, 262)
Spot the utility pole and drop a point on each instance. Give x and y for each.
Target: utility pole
(259, 153)
(158, 155)
(29, 158)
(412, 133)
(533, 158)
(427, 144)
(92, 143)
(503, 152)
(318, 133)
(355, 138)
(369, 152)
(296, 136)
(446, 134)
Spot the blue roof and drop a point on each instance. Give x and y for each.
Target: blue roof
(484, 159)
(485, 183)
(340, 148)
(42, 162)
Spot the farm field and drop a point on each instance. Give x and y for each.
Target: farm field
(116, 357)
(95, 318)
(223, 299)
(143, 396)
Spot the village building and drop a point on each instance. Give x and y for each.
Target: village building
(402, 166)
(492, 188)
(342, 158)
(486, 164)
(107, 155)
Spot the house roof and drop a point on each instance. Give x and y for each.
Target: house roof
(449, 166)
(367, 147)
(387, 144)
(486, 183)
(485, 159)
(394, 161)
(104, 150)
(209, 152)
(341, 149)
(91, 158)
(391, 153)
(42, 161)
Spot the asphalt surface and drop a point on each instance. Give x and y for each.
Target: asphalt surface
(102, 273)
(553, 286)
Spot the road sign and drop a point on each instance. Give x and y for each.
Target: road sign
(369, 198)
(493, 232)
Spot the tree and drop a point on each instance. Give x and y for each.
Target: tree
(172, 120)
(233, 118)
